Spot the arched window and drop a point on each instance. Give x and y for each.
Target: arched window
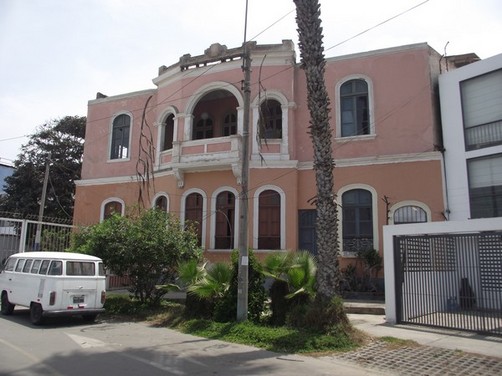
(168, 133)
(354, 108)
(230, 124)
(269, 220)
(111, 208)
(194, 211)
(225, 219)
(203, 127)
(161, 203)
(357, 225)
(270, 119)
(409, 214)
(120, 137)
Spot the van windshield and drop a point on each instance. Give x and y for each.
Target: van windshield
(80, 268)
(9, 266)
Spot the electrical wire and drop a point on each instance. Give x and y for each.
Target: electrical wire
(377, 25)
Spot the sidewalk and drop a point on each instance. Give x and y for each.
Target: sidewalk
(376, 326)
(432, 352)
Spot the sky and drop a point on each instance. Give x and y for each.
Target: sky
(55, 55)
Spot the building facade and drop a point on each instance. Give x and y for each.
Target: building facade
(178, 147)
(471, 110)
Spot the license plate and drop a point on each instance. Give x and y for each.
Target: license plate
(78, 299)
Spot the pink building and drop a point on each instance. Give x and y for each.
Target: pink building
(187, 132)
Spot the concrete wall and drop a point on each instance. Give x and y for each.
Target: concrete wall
(453, 135)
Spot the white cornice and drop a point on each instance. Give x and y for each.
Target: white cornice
(104, 181)
(118, 179)
(339, 163)
(379, 160)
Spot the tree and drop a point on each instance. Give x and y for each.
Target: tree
(147, 247)
(60, 143)
(313, 62)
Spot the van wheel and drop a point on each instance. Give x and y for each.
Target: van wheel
(89, 318)
(36, 314)
(7, 307)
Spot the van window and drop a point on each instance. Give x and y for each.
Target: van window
(80, 268)
(27, 266)
(36, 266)
(101, 269)
(20, 265)
(9, 266)
(56, 268)
(44, 267)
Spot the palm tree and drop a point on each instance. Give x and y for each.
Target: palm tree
(205, 285)
(313, 63)
(276, 266)
(302, 278)
(214, 283)
(293, 283)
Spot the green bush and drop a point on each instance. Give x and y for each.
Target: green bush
(147, 247)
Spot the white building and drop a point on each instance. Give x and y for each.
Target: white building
(471, 112)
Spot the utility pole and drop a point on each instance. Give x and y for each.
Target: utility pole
(242, 288)
(38, 234)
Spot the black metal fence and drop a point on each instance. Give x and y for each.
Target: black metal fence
(450, 281)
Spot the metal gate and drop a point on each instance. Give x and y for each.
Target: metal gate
(450, 281)
(22, 235)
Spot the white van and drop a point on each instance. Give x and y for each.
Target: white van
(53, 284)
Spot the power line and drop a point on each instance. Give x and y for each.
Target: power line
(377, 25)
(14, 138)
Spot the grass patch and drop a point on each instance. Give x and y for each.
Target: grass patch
(395, 343)
(277, 339)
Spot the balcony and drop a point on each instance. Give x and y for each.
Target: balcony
(203, 155)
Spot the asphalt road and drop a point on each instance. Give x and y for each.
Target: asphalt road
(72, 347)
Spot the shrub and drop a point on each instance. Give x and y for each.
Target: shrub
(225, 310)
(147, 247)
(322, 317)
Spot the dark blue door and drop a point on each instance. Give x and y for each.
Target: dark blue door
(306, 231)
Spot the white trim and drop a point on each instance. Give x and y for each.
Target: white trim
(374, 209)
(108, 200)
(204, 211)
(379, 160)
(284, 141)
(404, 203)
(256, 214)
(369, 82)
(110, 137)
(161, 194)
(161, 129)
(200, 93)
(213, 215)
(106, 181)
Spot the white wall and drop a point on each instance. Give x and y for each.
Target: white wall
(453, 134)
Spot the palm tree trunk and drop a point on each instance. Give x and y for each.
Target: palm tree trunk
(313, 63)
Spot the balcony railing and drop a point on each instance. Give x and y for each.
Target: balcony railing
(206, 154)
(484, 135)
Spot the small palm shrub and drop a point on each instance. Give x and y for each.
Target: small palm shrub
(293, 287)
(225, 310)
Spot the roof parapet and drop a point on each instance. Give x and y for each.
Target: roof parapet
(218, 53)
